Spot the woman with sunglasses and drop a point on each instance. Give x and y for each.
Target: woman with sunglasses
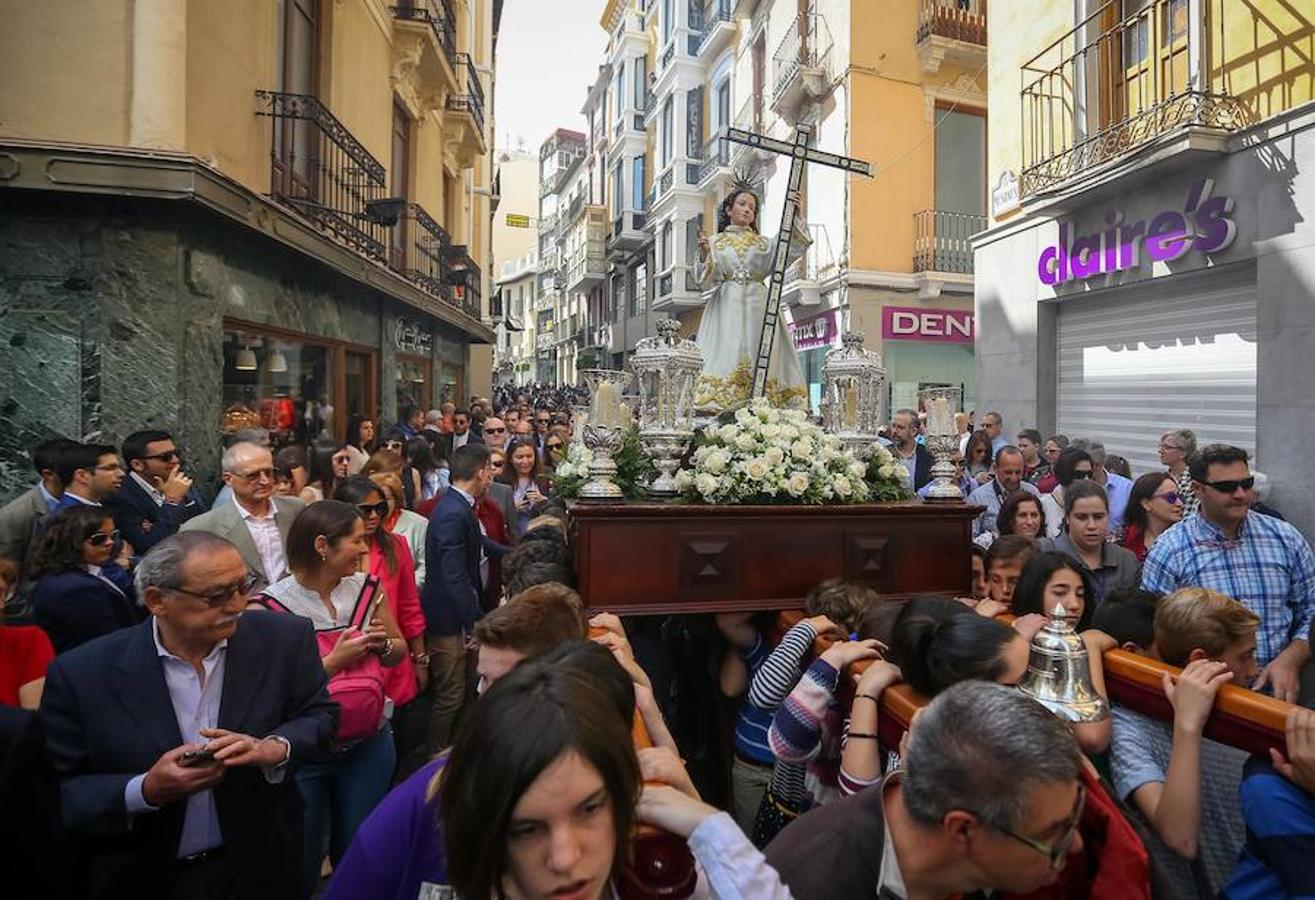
(83, 589)
(391, 458)
(409, 526)
(1153, 506)
(1073, 465)
(554, 447)
(329, 462)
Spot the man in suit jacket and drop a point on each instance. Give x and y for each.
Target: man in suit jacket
(457, 556)
(447, 444)
(156, 497)
(121, 712)
(256, 522)
(19, 517)
(906, 449)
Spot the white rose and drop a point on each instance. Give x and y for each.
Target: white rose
(802, 449)
(702, 453)
(882, 454)
(770, 432)
(683, 480)
(728, 432)
(705, 484)
(842, 486)
(743, 416)
(901, 472)
(886, 471)
(857, 469)
(756, 468)
(716, 462)
(774, 456)
(773, 417)
(795, 416)
(789, 432)
(797, 485)
(745, 442)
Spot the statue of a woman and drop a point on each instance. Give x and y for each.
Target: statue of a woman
(738, 260)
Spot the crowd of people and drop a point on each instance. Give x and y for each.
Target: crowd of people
(364, 671)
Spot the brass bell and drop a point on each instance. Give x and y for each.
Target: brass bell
(1059, 673)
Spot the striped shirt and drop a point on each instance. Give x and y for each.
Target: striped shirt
(775, 679)
(1268, 567)
(751, 723)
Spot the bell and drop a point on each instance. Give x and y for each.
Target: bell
(1059, 675)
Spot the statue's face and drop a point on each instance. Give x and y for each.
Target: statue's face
(744, 209)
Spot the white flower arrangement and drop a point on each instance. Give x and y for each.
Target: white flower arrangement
(576, 462)
(772, 455)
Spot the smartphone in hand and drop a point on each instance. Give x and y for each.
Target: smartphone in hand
(190, 758)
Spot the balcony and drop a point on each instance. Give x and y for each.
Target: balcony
(951, 30)
(716, 160)
(464, 277)
(942, 240)
(804, 277)
(429, 27)
(627, 233)
(588, 263)
(420, 252)
(320, 170)
(468, 103)
(719, 28)
(801, 67)
(650, 107)
(1112, 87)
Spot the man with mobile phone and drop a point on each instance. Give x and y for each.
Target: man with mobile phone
(173, 740)
(157, 497)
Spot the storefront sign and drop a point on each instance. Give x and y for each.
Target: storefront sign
(410, 337)
(937, 326)
(1004, 198)
(1202, 227)
(816, 331)
(516, 220)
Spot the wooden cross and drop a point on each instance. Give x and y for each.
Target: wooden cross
(799, 153)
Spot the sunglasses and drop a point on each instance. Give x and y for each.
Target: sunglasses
(556, 446)
(220, 596)
(495, 431)
(101, 538)
(1230, 487)
(368, 509)
(496, 465)
(1059, 849)
(1172, 497)
(393, 445)
(1079, 476)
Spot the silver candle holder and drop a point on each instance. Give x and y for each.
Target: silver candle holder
(854, 381)
(940, 404)
(604, 431)
(667, 369)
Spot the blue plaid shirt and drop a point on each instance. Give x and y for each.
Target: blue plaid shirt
(1269, 567)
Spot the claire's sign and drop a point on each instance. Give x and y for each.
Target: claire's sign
(937, 326)
(1202, 226)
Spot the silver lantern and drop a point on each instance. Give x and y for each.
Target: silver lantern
(940, 404)
(604, 431)
(1059, 673)
(854, 381)
(667, 369)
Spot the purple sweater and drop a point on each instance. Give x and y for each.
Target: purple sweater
(397, 848)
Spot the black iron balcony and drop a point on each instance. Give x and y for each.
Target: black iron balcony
(958, 20)
(321, 170)
(464, 276)
(438, 15)
(801, 64)
(470, 96)
(424, 246)
(717, 14)
(942, 240)
(1115, 84)
(716, 156)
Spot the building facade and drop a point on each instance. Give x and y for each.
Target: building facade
(267, 211)
(890, 256)
(515, 249)
(1149, 264)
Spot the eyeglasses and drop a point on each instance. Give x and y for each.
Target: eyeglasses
(1059, 849)
(109, 467)
(395, 446)
(255, 475)
(495, 431)
(219, 596)
(1231, 486)
(1171, 447)
(1081, 475)
(101, 538)
(368, 509)
(342, 460)
(167, 456)
(1171, 497)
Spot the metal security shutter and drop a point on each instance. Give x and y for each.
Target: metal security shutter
(1135, 362)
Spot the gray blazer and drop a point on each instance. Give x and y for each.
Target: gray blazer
(17, 519)
(505, 499)
(226, 522)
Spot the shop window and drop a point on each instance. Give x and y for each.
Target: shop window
(288, 384)
(413, 382)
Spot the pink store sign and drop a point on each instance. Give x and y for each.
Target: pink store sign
(816, 331)
(936, 326)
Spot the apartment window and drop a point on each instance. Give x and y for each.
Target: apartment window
(401, 162)
(620, 87)
(618, 296)
(721, 106)
(694, 123)
(640, 69)
(961, 162)
(639, 290)
(297, 53)
(664, 248)
(667, 125)
(668, 13)
(692, 228)
(637, 183)
(618, 189)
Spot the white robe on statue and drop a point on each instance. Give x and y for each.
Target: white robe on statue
(739, 263)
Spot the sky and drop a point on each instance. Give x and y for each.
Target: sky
(548, 56)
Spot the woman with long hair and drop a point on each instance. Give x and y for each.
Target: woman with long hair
(404, 523)
(554, 447)
(524, 474)
(433, 475)
(361, 434)
(566, 774)
(25, 651)
(390, 461)
(1073, 465)
(329, 462)
(83, 589)
(1086, 524)
(1154, 505)
(977, 459)
(356, 624)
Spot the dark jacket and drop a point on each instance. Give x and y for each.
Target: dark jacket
(74, 607)
(452, 595)
(141, 522)
(922, 463)
(31, 832)
(108, 717)
(18, 518)
(834, 850)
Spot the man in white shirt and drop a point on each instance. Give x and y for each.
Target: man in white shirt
(1117, 488)
(256, 521)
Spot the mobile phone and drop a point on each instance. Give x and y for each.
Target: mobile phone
(374, 606)
(191, 758)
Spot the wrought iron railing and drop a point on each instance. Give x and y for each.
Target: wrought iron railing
(668, 56)
(960, 20)
(715, 13)
(425, 249)
(1113, 84)
(942, 240)
(664, 283)
(471, 96)
(806, 45)
(716, 155)
(438, 15)
(650, 198)
(664, 183)
(322, 171)
(464, 276)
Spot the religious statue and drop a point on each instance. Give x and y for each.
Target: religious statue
(738, 261)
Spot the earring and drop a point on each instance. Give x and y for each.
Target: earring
(323, 556)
